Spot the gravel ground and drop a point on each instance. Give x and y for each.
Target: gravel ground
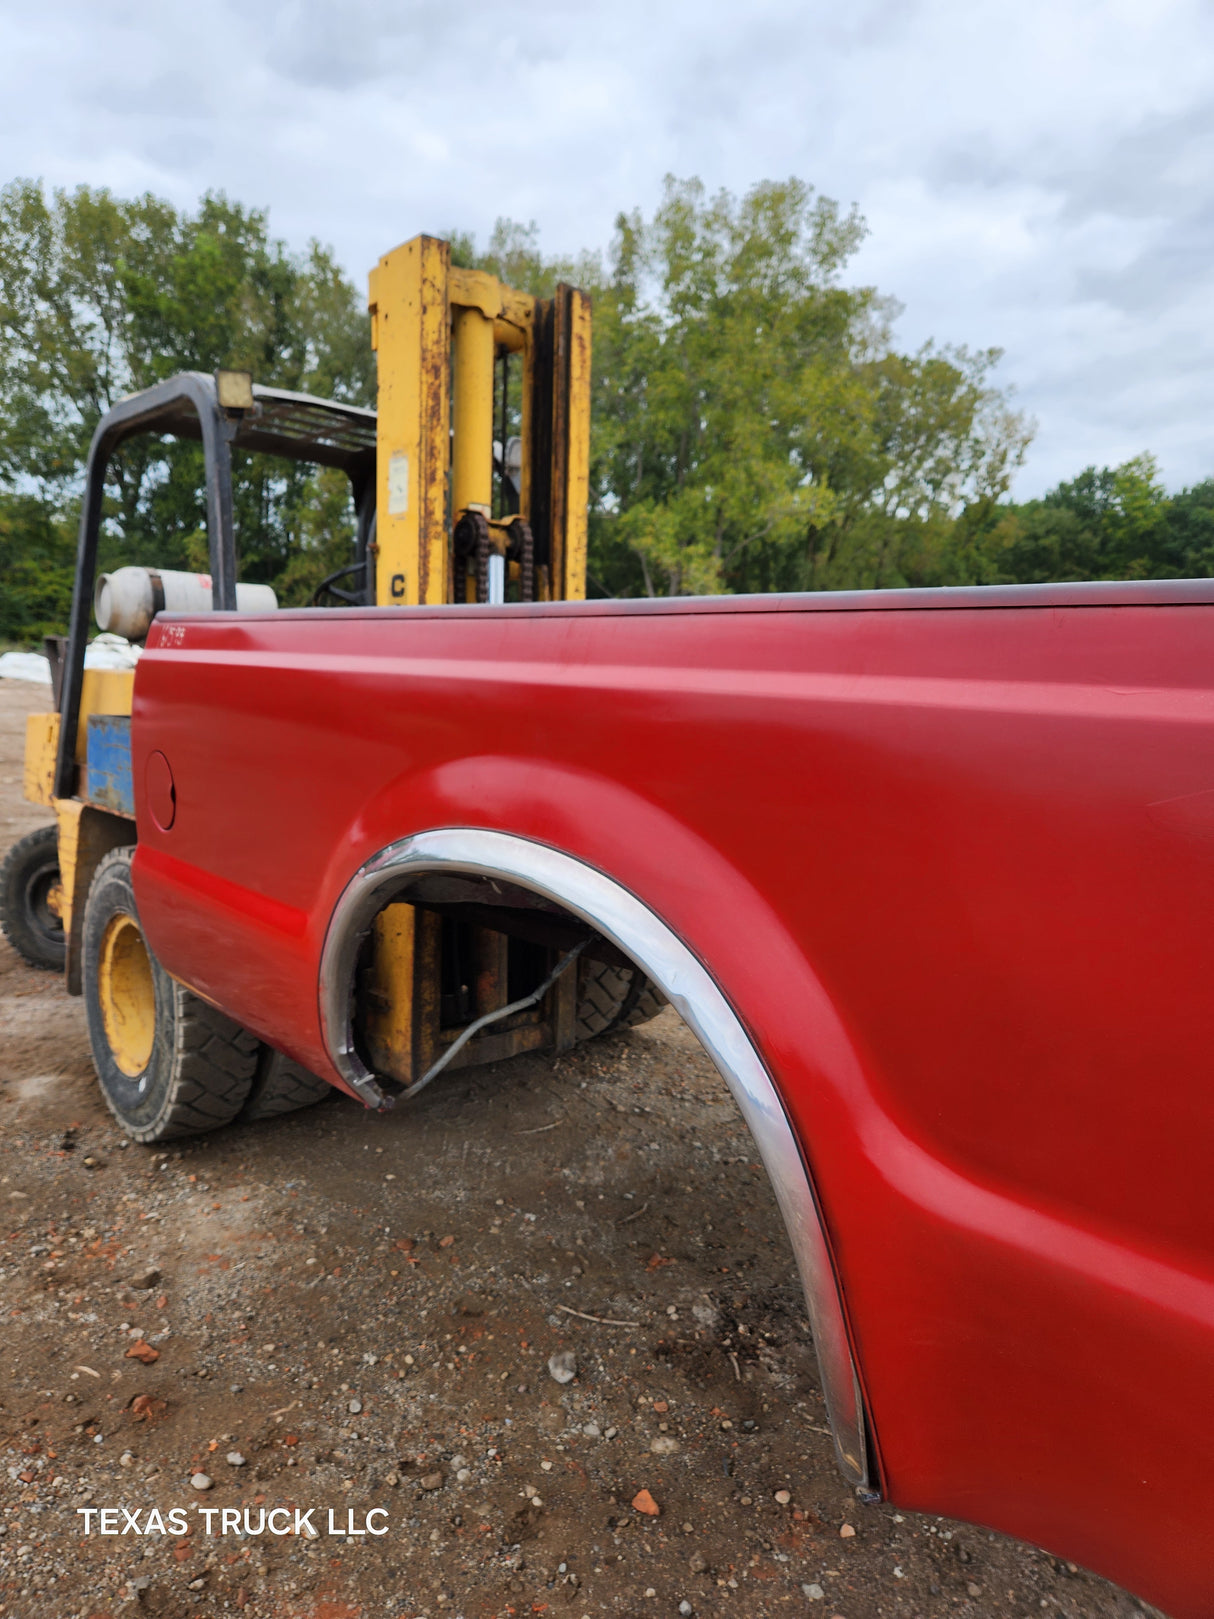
(340, 1314)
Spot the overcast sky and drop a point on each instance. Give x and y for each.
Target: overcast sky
(1036, 174)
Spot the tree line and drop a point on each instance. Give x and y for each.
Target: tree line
(755, 424)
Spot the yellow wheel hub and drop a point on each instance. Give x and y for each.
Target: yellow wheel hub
(127, 995)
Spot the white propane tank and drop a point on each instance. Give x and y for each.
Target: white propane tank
(127, 600)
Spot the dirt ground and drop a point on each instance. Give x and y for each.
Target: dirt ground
(337, 1313)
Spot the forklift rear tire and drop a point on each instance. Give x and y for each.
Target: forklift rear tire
(29, 885)
(613, 998)
(279, 1086)
(169, 1063)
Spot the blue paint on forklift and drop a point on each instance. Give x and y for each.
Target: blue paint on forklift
(108, 783)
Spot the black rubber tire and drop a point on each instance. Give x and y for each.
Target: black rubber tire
(29, 872)
(281, 1085)
(613, 998)
(648, 1003)
(202, 1064)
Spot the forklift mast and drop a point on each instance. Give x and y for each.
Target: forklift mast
(448, 341)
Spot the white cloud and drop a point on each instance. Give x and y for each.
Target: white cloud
(1035, 173)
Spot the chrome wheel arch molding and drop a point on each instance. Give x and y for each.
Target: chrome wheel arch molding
(627, 922)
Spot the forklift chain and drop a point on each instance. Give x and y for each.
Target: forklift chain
(472, 541)
(522, 550)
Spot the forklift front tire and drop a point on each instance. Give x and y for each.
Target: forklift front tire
(169, 1063)
(29, 896)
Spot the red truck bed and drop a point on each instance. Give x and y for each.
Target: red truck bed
(948, 856)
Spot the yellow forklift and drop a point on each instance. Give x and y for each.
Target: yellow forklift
(450, 506)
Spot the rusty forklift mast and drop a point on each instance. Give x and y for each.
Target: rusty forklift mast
(446, 339)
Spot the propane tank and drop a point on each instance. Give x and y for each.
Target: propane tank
(127, 600)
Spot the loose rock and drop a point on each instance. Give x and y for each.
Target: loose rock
(783, 1497)
(664, 1445)
(846, 1531)
(200, 1481)
(234, 1459)
(642, 1501)
(562, 1367)
(813, 1591)
(147, 1408)
(431, 1481)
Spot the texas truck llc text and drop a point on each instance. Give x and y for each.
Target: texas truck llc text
(231, 1521)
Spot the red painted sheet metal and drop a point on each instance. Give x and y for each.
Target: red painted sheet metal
(955, 871)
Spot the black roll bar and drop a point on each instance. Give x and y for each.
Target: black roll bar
(293, 425)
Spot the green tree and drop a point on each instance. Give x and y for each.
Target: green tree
(37, 566)
(754, 427)
(1190, 539)
(100, 296)
(1108, 523)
